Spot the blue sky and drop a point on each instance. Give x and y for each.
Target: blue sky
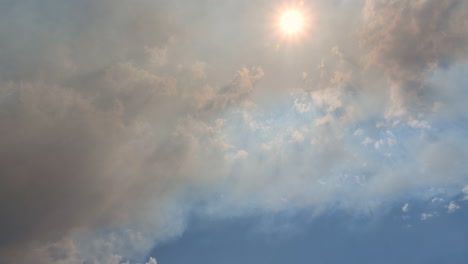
(160, 131)
(330, 238)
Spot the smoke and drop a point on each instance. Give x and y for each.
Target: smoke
(118, 121)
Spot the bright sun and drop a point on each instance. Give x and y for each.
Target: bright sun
(292, 21)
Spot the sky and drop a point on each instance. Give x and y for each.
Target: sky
(248, 131)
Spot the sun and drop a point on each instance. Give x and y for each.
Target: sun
(292, 22)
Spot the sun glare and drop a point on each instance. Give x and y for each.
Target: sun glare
(291, 22)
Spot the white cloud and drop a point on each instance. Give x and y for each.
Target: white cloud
(380, 125)
(297, 136)
(452, 207)
(465, 189)
(391, 138)
(419, 124)
(358, 132)
(367, 141)
(152, 261)
(378, 143)
(425, 216)
(240, 155)
(324, 120)
(329, 99)
(302, 107)
(405, 208)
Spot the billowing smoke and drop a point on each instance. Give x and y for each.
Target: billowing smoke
(118, 119)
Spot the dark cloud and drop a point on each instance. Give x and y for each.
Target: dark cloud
(57, 148)
(97, 152)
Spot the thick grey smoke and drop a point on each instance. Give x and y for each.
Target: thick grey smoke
(407, 40)
(118, 118)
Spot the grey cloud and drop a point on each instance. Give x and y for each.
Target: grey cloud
(53, 40)
(407, 39)
(52, 143)
(101, 151)
(71, 157)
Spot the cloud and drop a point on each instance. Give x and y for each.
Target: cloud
(301, 107)
(419, 124)
(405, 208)
(358, 132)
(452, 207)
(425, 216)
(62, 148)
(406, 39)
(152, 261)
(297, 136)
(465, 191)
(367, 141)
(241, 154)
